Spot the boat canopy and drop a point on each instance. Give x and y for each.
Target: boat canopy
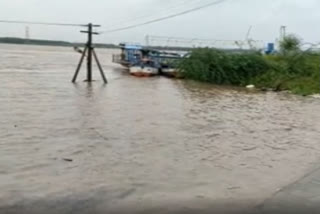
(130, 46)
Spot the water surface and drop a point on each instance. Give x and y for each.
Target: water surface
(141, 143)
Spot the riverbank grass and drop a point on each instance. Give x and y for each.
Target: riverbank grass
(291, 69)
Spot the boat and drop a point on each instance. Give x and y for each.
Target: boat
(130, 54)
(146, 62)
(170, 72)
(144, 69)
(169, 64)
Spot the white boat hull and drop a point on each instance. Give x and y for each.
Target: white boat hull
(143, 71)
(170, 72)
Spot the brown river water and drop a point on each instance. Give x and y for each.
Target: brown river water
(145, 145)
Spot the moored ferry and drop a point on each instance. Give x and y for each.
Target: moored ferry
(147, 68)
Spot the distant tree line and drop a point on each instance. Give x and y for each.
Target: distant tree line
(21, 41)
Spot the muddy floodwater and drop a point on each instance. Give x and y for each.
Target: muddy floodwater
(144, 145)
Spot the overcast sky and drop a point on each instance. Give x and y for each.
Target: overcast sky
(229, 20)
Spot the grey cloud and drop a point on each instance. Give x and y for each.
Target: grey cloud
(229, 20)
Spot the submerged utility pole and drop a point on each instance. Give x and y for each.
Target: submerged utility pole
(89, 52)
(89, 59)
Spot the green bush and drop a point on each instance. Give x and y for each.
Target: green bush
(215, 66)
(296, 71)
(290, 43)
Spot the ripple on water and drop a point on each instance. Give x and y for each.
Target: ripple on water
(156, 136)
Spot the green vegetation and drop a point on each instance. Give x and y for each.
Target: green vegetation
(290, 43)
(291, 69)
(10, 40)
(298, 73)
(20, 41)
(215, 66)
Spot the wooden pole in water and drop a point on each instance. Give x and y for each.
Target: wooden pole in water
(79, 65)
(100, 67)
(89, 58)
(90, 53)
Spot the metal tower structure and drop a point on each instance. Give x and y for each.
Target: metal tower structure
(283, 32)
(164, 41)
(27, 33)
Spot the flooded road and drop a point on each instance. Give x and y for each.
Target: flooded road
(142, 144)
